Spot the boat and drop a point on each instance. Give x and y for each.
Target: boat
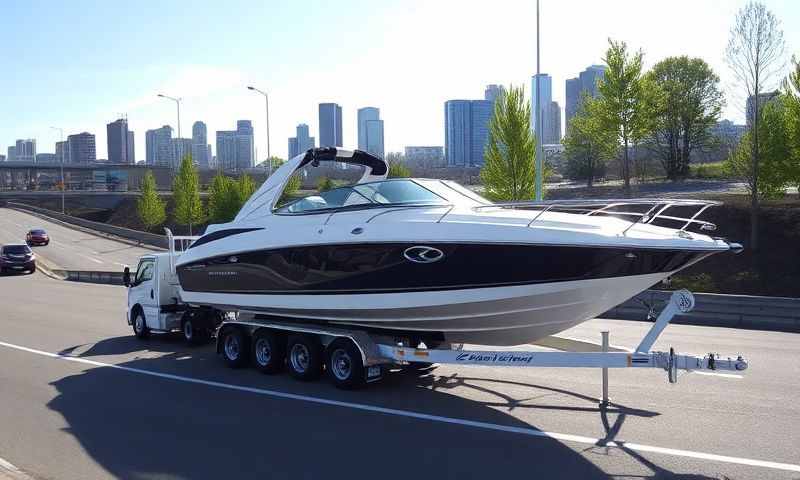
(432, 259)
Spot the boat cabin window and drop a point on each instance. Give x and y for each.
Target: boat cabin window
(365, 195)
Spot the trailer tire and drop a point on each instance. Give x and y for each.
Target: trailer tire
(195, 328)
(304, 356)
(139, 324)
(235, 347)
(344, 364)
(268, 352)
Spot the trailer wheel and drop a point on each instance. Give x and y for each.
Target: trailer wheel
(234, 347)
(344, 364)
(268, 351)
(195, 327)
(140, 328)
(304, 354)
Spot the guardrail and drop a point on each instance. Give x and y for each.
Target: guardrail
(716, 310)
(151, 239)
(109, 278)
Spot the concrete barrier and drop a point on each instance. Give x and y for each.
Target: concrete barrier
(736, 311)
(107, 278)
(150, 239)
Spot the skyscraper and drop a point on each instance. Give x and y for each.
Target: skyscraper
(226, 149)
(12, 154)
(181, 148)
(552, 124)
(201, 150)
(26, 150)
(587, 81)
(131, 148)
(159, 146)
(541, 102)
(370, 131)
(117, 141)
(466, 131)
(62, 152)
(82, 148)
(492, 92)
(301, 142)
(330, 125)
(245, 145)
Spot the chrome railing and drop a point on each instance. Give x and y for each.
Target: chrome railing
(177, 244)
(658, 207)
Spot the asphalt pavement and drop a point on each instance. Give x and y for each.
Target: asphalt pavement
(70, 249)
(81, 398)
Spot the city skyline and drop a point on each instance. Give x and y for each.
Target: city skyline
(211, 77)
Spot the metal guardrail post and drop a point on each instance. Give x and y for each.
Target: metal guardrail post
(604, 401)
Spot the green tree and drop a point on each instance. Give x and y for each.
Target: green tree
(754, 53)
(398, 170)
(150, 207)
(589, 142)
(186, 194)
(623, 97)
(245, 188)
(324, 183)
(792, 89)
(775, 166)
(509, 172)
(686, 103)
(223, 199)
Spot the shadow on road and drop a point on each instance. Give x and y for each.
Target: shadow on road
(138, 426)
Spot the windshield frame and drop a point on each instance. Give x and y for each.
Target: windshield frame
(364, 206)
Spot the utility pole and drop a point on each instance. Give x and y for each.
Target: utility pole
(63, 185)
(266, 100)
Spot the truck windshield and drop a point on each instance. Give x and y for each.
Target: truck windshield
(383, 193)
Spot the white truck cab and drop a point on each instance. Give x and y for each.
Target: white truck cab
(154, 302)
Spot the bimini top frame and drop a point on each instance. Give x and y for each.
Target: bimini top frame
(620, 207)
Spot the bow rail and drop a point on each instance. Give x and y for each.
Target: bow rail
(652, 210)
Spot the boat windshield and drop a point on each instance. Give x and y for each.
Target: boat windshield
(365, 195)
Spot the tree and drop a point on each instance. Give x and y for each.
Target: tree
(186, 194)
(150, 207)
(792, 90)
(245, 188)
(509, 171)
(223, 199)
(589, 142)
(754, 54)
(622, 95)
(775, 166)
(324, 184)
(398, 170)
(686, 103)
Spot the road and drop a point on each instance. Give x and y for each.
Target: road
(70, 249)
(81, 398)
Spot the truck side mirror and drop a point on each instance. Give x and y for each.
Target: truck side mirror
(126, 277)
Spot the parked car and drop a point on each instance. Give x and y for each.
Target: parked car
(37, 236)
(17, 258)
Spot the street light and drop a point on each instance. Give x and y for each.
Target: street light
(178, 104)
(266, 99)
(538, 113)
(63, 184)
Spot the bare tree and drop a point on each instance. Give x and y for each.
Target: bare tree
(755, 55)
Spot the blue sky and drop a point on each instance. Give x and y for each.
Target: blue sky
(80, 64)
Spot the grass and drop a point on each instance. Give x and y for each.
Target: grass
(711, 171)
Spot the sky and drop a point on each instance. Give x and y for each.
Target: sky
(81, 64)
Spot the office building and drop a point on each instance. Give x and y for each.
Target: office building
(425, 157)
(181, 148)
(330, 125)
(466, 131)
(62, 152)
(201, 149)
(245, 145)
(587, 81)
(492, 92)
(46, 158)
(301, 141)
(25, 151)
(763, 99)
(82, 148)
(226, 150)
(12, 154)
(2, 158)
(131, 148)
(370, 131)
(118, 142)
(541, 101)
(552, 124)
(158, 143)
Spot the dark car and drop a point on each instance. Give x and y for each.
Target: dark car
(37, 236)
(17, 258)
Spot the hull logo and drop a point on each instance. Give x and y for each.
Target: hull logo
(423, 254)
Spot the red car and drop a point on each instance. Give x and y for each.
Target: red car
(37, 236)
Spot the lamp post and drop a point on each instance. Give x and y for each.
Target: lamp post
(266, 100)
(63, 184)
(538, 112)
(178, 104)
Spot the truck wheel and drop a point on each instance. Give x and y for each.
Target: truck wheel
(344, 364)
(192, 334)
(268, 351)
(140, 325)
(304, 356)
(234, 348)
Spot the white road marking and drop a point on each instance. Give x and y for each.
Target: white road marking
(424, 416)
(9, 466)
